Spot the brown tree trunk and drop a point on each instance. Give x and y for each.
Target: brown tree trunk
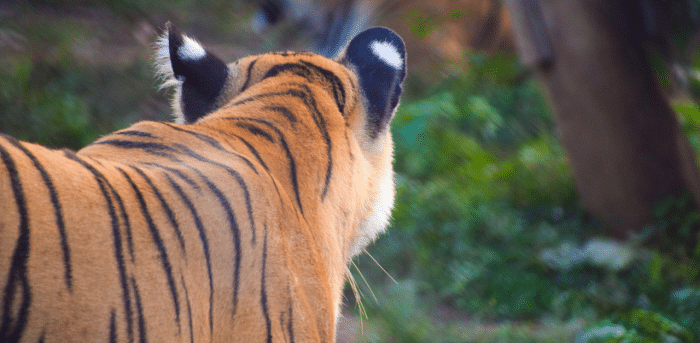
(625, 145)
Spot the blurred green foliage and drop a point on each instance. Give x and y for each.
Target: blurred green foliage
(636, 326)
(68, 105)
(488, 241)
(474, 168)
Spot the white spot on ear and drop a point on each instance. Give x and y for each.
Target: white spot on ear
(190, 50)
(387, 53)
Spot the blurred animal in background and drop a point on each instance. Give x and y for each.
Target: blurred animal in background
(329, 24)
(435, 31)
(235, 224)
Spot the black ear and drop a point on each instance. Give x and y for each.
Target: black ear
(203, 75)
(378, 56)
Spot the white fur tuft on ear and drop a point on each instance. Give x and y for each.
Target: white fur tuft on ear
(163, 66)
(165, 75)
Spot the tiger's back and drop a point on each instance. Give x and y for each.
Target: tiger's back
(235, 224)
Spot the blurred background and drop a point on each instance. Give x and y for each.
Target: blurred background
(489, 242)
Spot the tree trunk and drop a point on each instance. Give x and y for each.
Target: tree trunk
(624, 143)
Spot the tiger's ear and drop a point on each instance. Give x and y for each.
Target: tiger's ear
(378, 57)
(200, 75)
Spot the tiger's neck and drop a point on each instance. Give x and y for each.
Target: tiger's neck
(309, 236)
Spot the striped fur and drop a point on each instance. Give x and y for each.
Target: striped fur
(234, 225)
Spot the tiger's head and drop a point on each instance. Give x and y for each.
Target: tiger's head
(363, 83)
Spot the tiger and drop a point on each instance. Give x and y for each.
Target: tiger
(236, 222)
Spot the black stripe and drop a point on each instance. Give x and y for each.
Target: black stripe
(58, 212)
(285, 147)
(42, 338)
(230, 216)
(136, 145)
(306, 96)
(284, 112)
(214, 143)
(202, 137)
(246, 194)
(205, 245)
(257, 156)
(263, 290)
(248, 75)
(290, 328)
(260, 160)
(139, 312)
(294, 68)
(293, 92)
(308, 71)
(189, 309)
(320, 121)
(158, 241)
(256, 131)
(177, 173)
(112, 327)
(157, 149)
(17, 276)
(134, 133)
(336, 84)
(118, 254)
(253, 151)
(125, 220)
(168, 211)
(122, 209)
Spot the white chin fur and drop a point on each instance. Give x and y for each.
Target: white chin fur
(378, 219)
